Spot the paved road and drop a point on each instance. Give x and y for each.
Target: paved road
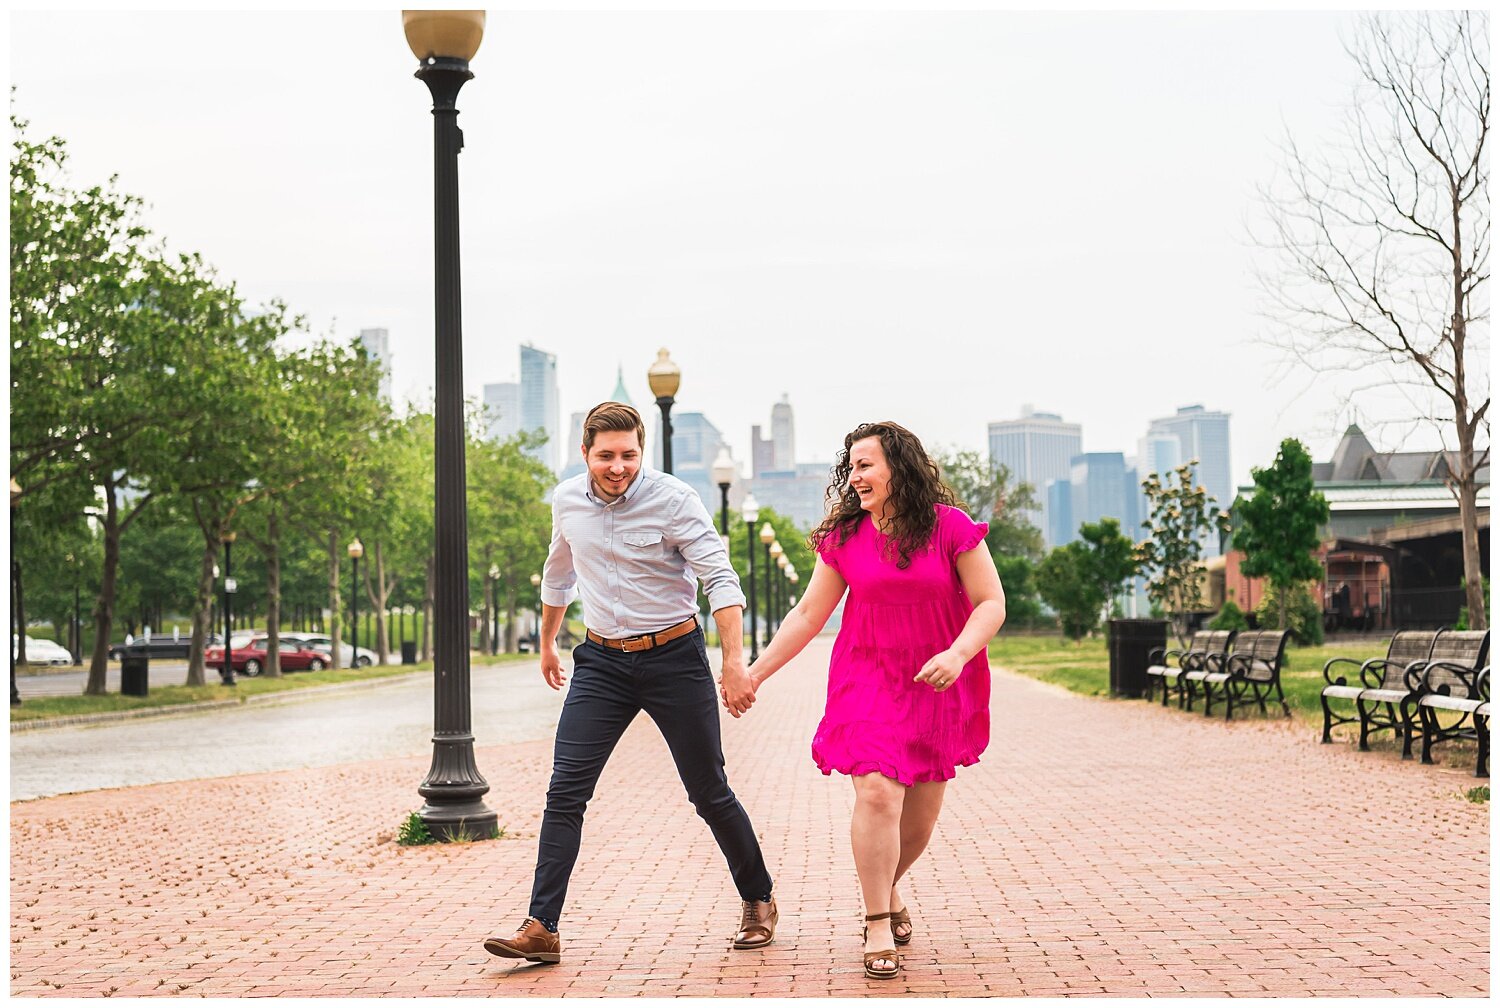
(67, 680)
(510, 704)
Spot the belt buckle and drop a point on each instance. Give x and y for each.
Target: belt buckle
(641, 643)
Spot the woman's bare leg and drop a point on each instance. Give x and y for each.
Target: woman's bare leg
(875, 833)
(919, 813)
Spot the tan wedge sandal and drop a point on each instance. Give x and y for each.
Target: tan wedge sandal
(898, 918)
(887, 954)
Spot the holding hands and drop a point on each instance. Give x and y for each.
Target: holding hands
(735, 688)
(941, 671)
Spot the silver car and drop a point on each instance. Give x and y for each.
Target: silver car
(324, 643)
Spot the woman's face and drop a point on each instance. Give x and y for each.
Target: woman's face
(870, 475)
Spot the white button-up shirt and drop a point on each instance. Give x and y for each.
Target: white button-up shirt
(635, 560)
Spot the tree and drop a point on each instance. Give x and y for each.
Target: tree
(1278, 527)
(1382, 248)
(1110, 554)
(1183, 515)
(1015, 544)
(1067, 584)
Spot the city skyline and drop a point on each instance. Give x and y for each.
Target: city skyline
(774, 231)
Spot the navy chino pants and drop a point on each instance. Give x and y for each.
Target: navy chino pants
(673, 684)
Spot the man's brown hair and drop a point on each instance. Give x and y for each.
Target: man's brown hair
(612, 416)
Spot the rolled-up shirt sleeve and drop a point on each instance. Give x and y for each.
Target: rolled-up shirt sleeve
(704, 551)
(559, 579)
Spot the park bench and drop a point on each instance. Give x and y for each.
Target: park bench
(1454, 679)
(1397, 689)
(1254, 667)
(1406, 647)
(1168, 666)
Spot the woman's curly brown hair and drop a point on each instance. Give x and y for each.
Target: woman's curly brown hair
(916, 486)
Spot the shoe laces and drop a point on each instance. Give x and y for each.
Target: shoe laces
(749, 915)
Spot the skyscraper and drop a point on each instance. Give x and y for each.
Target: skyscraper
(502, 403)
(782, 454)
(1203, 435)
(539, 403)
(377, 343)
(1037, 449)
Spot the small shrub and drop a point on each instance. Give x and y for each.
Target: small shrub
(1478, 795)
(1304, 615)
(1231, 617)
(413, 832)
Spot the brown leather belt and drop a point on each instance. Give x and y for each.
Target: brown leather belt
(645, 642)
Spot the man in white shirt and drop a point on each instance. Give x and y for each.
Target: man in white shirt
(633, 543)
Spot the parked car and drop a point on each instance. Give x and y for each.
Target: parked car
(324, 643)
(41, 652)
(249, 656)
(159, 646)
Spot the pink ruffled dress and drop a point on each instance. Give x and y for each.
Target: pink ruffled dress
(877, 719)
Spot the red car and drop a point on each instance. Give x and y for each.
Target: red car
(249, 657)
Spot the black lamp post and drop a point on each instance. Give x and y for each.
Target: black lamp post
(444, 42)
(536, 638)
(750, 511)
(767, 537)
(15, 613)
(494, 609)
(664, 377)
(723, 474)
(779, 556)
(226, 671)
(356, 550)
(74, 645)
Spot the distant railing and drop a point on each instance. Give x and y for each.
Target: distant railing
(1426, 608)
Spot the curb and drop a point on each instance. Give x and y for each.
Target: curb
(281, 696)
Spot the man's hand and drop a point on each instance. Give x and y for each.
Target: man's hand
(552, 669)
(941, 671)
(735, 688)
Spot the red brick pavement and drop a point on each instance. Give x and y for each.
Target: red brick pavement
(1101, 847)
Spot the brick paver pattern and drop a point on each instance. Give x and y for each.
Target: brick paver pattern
(1100, 848)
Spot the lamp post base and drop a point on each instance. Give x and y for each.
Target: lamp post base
(454, 790)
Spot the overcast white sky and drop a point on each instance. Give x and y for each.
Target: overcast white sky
(931, 218)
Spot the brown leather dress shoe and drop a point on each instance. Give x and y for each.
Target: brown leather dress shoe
(757, 924)
(531, 941)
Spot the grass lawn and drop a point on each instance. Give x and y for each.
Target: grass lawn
(35, 708)
(1084, 667)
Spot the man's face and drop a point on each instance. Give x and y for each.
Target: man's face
(613, 462)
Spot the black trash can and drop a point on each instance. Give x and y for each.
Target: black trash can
(1131, 642)
(135, 668)
(408, 652)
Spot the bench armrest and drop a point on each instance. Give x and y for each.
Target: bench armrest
(1369, 675)
(1420, 680)
(1341, 680)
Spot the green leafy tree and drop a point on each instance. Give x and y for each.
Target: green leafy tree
(1068, 583)
(1278, 526)
(989, 494)
(1111, 556)
(1303, 613)
(1183, 516)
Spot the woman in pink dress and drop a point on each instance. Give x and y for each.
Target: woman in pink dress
(909, 681)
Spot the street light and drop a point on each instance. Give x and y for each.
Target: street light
(664, 377)
(75, 629)
(767, 537)
(356, 550)
(780, 582)
(750, 511)
(794, 577)
(226, 671)
(444, 42)
(536, 643)
(15, 578)
(723, 474)
(494, 609)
